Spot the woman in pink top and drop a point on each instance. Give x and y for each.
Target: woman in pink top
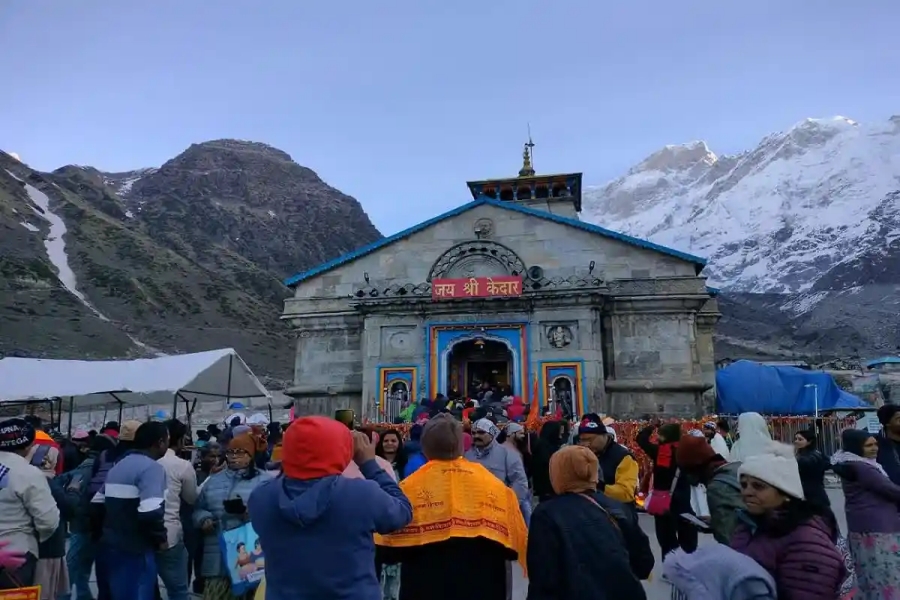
(352, 471)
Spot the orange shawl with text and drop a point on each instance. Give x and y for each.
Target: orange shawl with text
(459, 499)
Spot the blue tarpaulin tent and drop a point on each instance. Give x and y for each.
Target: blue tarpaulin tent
(747, 386)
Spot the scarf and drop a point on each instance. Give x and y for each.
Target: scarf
(459, 499)
(848, 457)
(482, 452)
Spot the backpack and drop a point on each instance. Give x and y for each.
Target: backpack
(99, 471)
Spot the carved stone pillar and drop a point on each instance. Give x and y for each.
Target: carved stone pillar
(328, 365)
(656, 354)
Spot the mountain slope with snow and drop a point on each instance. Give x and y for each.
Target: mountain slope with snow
(774, 219)
(181, 258)
(807, 225)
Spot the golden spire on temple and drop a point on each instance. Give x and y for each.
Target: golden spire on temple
(527, 169)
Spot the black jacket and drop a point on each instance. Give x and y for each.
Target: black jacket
(812, 465)
(640, 554)
(575, 550)
(548, 442)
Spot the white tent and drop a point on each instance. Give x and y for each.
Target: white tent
(217, 375)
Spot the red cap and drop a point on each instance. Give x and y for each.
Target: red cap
(316, 447)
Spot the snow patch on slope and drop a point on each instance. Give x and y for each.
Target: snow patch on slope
(771, 219)
(56, 252)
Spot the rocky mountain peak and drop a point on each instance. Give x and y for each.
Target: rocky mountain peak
(226, 153)
(185, 257)
(807, 218)
(678, 158)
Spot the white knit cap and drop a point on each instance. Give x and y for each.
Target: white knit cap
(777, 467)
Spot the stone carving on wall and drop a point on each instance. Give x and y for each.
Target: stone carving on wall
(559, 336)
(397, 341)
(477, 258)
(656, 287)
(483, 228)
(330, 332)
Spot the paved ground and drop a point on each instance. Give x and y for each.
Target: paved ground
(656, 589)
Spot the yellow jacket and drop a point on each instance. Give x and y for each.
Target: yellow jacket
(626, 483)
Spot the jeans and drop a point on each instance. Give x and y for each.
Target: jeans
(172, 565)
(125, 575)
(80, 561)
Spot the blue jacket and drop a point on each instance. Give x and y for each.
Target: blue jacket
(317, 533)
(414, 458)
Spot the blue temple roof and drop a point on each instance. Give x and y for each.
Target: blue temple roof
(375, 246)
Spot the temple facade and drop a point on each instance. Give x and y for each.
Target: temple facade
(510, 290)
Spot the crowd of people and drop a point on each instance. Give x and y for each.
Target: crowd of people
(344, 512)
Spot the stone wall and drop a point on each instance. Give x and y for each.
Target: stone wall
(643, 346)
(561, 251)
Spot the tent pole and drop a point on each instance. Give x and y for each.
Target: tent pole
(175, 406)
(71, 410)
(230, 365)
(121, 404)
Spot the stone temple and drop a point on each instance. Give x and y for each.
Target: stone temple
(510, 289)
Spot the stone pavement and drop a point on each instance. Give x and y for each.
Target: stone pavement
(656, 588)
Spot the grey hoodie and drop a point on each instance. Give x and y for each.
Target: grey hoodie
(716, 572)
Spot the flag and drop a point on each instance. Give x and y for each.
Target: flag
(534, 413)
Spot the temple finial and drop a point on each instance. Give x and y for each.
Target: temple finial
(527, 169)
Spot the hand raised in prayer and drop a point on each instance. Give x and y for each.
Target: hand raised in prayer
(10, 559)
(363, 448)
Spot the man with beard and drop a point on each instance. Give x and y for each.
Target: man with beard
(617, 465)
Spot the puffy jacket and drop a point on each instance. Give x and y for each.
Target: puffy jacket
(225, 485)
(723, 497)
(804, 561)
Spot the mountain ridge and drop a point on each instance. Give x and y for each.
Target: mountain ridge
(806, 223)
(183, 257)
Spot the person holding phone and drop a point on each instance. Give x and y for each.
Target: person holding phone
(221, 506)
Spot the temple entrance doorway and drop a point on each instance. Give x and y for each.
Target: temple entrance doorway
(563, 396)
(480, 365)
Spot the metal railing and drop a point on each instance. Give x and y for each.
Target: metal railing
(828, 429)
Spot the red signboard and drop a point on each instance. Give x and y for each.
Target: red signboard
(476, 287)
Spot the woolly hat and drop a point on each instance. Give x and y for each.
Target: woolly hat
(15, 435)
(316, 447)
(128, 430)
(693, 452)
(486, 426)
(777, 466)
(574, 469)
(243, 442)
(513, 428)
(442, 438)
(591, 423)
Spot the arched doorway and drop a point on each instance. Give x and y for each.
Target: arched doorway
(477, 365)
(563, 390)
(399, 391)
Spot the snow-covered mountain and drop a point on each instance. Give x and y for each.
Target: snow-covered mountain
(805, 212)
